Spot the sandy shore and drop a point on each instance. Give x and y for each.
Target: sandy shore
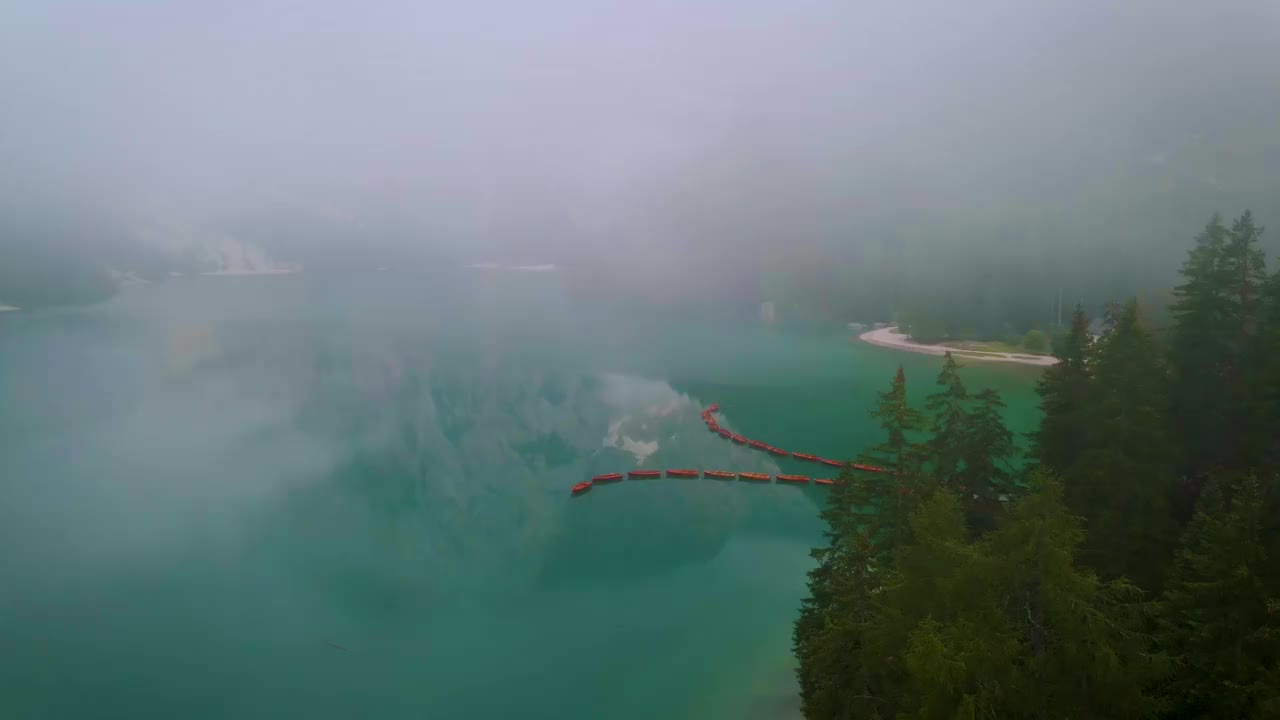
(889, 337)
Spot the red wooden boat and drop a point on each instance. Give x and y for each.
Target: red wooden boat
(793, 478)
(758, 477)
(721, 474)
(758, 445)
(714, 407)
(739, 439)
(832, 463)
(778, 451)
(804, 456)
(607, 478)
(824, 481)
(867, 468)
(644, 473)
(713, 427)
(724, 433)
(683, 473)
(581, 488)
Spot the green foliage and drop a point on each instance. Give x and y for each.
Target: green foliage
(949, 418)
(1125, 478)
(924, 327)
(867, 517)
(1220, 617)
(829, 632)
(1063, 390)
(924, 607)
(1216, 316)
(894, 493)
(1034, 341)
(1002, 626)
(988, 448)
(1262, 408)
(970, 446)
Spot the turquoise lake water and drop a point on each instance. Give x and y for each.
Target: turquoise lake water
(348, 497)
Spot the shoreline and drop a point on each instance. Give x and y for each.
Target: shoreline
(889, 338)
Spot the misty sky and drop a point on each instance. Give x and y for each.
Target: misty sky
(571, 125)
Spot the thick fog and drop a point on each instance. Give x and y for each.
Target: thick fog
(566, 130)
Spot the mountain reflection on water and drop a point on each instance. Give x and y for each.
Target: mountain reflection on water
(337, 497)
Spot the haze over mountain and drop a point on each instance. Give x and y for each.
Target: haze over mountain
(755, 142)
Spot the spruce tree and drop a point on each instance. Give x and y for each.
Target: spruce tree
(893, 493)
(936, 631)
(828, 634)
(1085, 653)
(1007, 626)
(1219, 620)
(1124, 482)
(948, 423)
(988, 447)
(1216, 319)
(1063, 390)
(1264, 382)
(1244, 272)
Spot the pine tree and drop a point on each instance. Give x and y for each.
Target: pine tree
(1086, 654)
(1216, 318)
(893, 494)
(936, 631)
(1124, 482)
(1264, 381)
(1220, 619)
(827, 637)
(1244, 269)
(988, 446)
(1199, 343)
(949, 420)
(1007, 626)
(1063, 390)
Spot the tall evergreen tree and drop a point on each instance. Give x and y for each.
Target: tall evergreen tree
(1063, 390)
(1200, 341)
(988, 447)
(947, 407)
(1216, 316)
(1007, 626)
(1244, 271)
(1087, 656)
(866, 517)
(827, 637)
(1220, 619)
(893, 494)
(1264, 380)
(1124, 482)
(934, 614)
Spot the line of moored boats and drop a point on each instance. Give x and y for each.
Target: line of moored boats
(708, 416)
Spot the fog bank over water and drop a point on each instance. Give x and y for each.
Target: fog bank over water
(205, 483)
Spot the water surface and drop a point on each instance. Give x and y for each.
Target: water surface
(348, 497)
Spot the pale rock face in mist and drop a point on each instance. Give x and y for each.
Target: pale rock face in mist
(233, 257)
(768, 312)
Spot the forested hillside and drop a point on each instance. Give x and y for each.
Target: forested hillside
(988, 266)
(1130, 567)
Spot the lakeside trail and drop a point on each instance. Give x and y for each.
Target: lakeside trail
(889, 337)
